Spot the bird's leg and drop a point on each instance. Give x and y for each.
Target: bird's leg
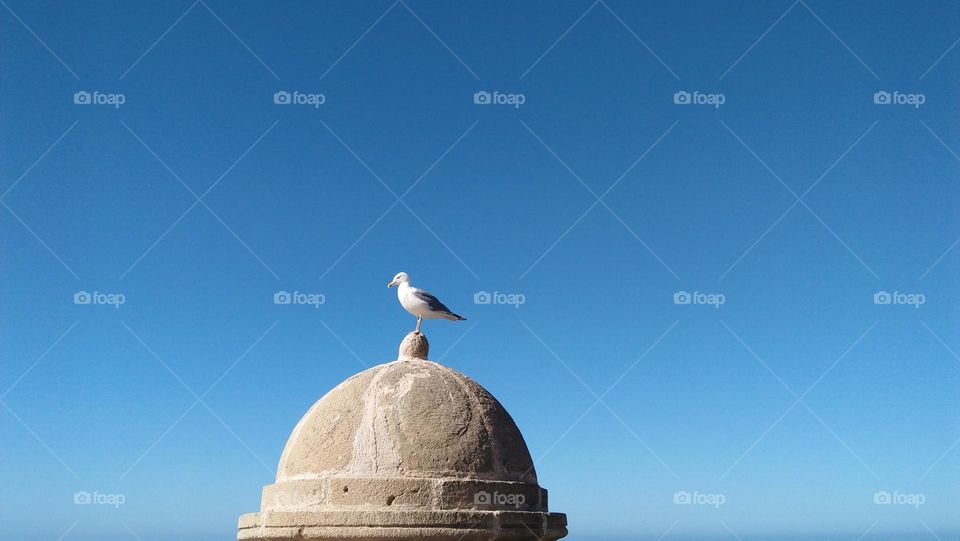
(419, 319)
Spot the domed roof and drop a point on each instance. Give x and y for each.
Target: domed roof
(405, 450)
(408, 418)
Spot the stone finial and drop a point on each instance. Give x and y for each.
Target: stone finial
(414, 346)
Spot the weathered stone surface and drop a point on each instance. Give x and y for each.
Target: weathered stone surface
(374, 525)
(408, 449)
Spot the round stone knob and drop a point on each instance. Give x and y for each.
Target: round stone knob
(414, 346)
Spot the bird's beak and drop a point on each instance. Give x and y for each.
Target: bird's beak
(392, 283)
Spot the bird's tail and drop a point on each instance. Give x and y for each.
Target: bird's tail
(454, 317)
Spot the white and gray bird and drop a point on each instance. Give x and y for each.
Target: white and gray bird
(419, 302)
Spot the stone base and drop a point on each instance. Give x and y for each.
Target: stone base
(402, 494)
(392, 525)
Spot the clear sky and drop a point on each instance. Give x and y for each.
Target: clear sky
(782, 200)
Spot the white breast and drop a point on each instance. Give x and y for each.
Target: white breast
(411, 303)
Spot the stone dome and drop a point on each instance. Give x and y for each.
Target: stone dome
(409, 448)
(408, 418)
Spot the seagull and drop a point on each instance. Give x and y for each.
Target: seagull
(419, 302)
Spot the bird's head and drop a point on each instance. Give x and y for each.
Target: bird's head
(400, 278)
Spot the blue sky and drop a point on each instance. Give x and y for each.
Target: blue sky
(794, 395)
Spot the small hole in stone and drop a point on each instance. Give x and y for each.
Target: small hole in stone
(390, 499)
(345, 489)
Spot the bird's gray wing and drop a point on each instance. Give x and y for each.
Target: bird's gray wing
(433, 302)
